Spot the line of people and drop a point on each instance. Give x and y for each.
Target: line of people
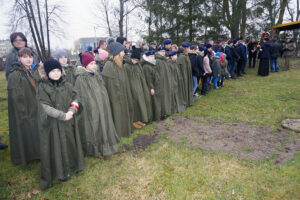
(59, 113)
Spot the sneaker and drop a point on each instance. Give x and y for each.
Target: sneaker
(141, 123)
(136, 125)
(197, 95)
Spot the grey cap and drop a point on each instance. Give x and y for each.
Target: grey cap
(61, 53)
(115, 48)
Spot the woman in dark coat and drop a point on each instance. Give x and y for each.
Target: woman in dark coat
(264, 56)
(18, 41)
(23, 111)
(118, 89)
(61, 150)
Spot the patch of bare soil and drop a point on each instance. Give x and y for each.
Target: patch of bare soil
(241, 139)
(142, 141)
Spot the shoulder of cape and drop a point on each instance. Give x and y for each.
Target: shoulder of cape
(109, 70)
(15, 77)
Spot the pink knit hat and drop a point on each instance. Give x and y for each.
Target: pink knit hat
(102, 54)
(87, 58)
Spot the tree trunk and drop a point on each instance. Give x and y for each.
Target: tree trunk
(282, 9)
(47, 29)
(190, 20)
(121, 20)
(40, 22)
(244, 17)
(31, 29)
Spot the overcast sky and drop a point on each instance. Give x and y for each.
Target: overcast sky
(80, 17)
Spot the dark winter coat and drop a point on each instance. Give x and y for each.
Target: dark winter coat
(235, 54)
(252, 46)
(265, 52)
(228, 52)
(186, 71)
(97, 129)
(178, 93)
(140, 92)
(23, 117)
(241, 51)
(152, 76)
(197, 64)
(165, 84)
(120, 97)
(275, 50)
(12, 58)
(61, 150)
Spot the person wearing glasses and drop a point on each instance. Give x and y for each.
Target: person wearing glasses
(18, 41)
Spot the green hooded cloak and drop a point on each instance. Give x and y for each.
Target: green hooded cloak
(186, 71)
(178, 94)
(23, 117)
(61, 150)
(140, 92)
(165, 83)
(151, 72)
(96, 126)
(118, 89)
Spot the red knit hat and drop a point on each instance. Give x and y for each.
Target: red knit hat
(87, 58)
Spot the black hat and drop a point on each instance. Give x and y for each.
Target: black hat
(121, 40)
(136, 53)
(51, 64)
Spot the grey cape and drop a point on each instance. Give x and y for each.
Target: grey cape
(61, 150)
(23, 117)
(151, 72)
(118, 89)
(178, 98)
(97, 130)
(165, 85)
(140, 92)
(186, 71)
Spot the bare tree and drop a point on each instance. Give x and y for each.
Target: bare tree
(38, 17)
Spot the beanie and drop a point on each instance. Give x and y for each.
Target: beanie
(87, 58)
(102, 54)
(90, 48)
(115, 48)
(51, 64)
(61, 53)
(121, 40)
(136, 53)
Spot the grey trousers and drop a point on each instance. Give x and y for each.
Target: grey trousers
(286, 63)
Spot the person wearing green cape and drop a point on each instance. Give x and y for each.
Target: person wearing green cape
(23, 110)
(97, 130)
(178, 98)
(151, 72)
(63, 59)
(165, 81)
(186, 71)
(60, 144)
(139, 89)
(118, 89)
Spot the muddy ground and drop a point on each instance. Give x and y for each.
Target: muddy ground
(243, 140)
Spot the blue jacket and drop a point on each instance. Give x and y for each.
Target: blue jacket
(228, 52)
(241, 51)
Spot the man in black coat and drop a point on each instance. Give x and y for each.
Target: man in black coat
(252, 48)
(264, 56)
(275, 53)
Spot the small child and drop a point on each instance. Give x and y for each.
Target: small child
(97, 129)
(207, 72)
(224, 64)
(216, 69)
(61, 150)
(63, 59)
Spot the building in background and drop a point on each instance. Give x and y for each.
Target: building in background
(82, 43)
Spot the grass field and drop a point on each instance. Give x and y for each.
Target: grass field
(166, 170)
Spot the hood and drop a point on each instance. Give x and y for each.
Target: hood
(43, 74)
(145, 60)
(157, 56)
